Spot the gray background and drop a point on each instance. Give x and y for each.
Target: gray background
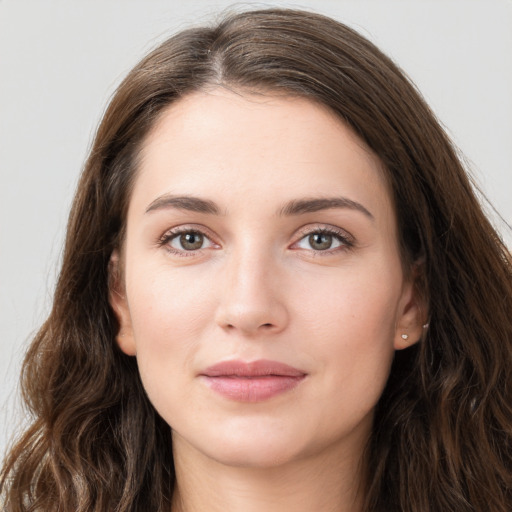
(61, 60)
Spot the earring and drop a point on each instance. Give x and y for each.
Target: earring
(405, 336)
(425, 326)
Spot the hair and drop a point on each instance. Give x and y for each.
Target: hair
(442, 435)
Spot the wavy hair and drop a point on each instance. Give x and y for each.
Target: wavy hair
(442, 436)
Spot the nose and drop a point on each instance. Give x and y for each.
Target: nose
(252, 298)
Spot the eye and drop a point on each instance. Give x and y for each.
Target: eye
(324, 240)
(185, 241)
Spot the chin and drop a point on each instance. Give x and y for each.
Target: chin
(255, 454)
(246, 442)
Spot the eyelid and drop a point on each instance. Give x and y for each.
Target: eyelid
(176, 239)
(173, 232)
(347, 240)
(322, 227)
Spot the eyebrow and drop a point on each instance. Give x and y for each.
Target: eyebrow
(294, 207)
(188, 203)
(309, 205)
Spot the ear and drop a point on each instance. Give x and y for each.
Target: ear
(118, 302)
(412, 313)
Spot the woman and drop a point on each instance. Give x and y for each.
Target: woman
(278, 292)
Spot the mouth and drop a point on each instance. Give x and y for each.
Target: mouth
(252, 382)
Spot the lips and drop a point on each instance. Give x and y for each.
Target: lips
(251, 381)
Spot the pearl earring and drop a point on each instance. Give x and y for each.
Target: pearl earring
(405, 336)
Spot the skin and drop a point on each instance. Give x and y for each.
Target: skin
(258, 288)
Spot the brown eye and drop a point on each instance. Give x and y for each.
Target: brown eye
(326, 240)
(320, 241)
(188, 241)
(191, 241)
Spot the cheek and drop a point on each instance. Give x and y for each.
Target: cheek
(168, 317)
(358, 305)
(167, 306)
(349, 325)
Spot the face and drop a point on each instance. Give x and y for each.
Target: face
(261, 288)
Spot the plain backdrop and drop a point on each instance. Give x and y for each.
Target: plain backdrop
(61, 60)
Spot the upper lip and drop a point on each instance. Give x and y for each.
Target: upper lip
(260, 368)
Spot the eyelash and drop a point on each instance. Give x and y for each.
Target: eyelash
(346, 241)
(170, 235)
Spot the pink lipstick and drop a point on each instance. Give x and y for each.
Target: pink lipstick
(252, 382)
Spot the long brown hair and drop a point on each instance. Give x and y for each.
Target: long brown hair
(442, 437)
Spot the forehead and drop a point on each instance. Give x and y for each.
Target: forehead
(222, 143)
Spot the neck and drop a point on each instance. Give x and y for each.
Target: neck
(327, 482)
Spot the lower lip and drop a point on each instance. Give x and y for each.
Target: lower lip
(252, 389)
